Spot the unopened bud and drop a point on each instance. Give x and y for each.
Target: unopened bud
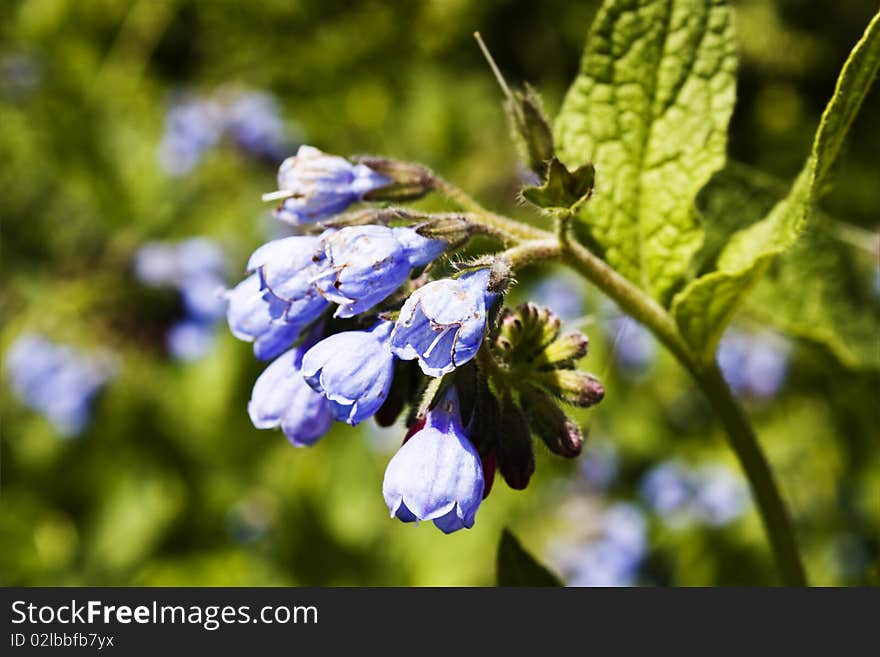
(529, 329)
(409, 181)
(572, 386)
(564, 351)
(516, 458)
(453, 229)
(550, 423)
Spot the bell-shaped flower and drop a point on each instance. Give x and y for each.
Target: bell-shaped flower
(313, 185)
(255, 315)
(363, 265)
(282, 398)
(437, 474)
(353, 369)
(442, 324)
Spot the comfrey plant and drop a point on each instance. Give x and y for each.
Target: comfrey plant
(648, 115)
(361, 322)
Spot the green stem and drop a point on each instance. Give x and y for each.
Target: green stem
(744, 442)
(741, 436)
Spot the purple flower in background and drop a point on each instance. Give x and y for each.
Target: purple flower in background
(442, 324)
(437, 474)
(364, 264)
(195, 267)
(634, 348)
(711, 494)
(599, 465)
(56, 381)
(192, 127)
(190, 340)
(253, 119)
(282, 398)
(563, 292)
(313, 185)
(611, 552)
(353, 370)
(755, 364)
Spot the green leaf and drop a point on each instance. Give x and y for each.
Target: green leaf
(650, 109)
(563, 189)
(516, 567)
(829, 266)
(707, 304)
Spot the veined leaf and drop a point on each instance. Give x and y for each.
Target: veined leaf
(650, 109)
(707, 304)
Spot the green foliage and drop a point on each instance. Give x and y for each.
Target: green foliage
(516, 567)
(563, 189)
(650, 109)
(707, 304)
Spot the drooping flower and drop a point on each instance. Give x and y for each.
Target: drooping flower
(354, 370)
(437, 474)
(254, 121)
(56, 381)
(192, 127)
(282, 398)
(442, 324)
(255, 315)
(287, 270)
(364, 264)
(190, 339)
(313, 185)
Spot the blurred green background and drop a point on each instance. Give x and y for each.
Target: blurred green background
(171, 485)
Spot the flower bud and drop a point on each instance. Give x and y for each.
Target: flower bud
(562, 353)
(572, 386)
(408, 181)
(529, 329)
(516, 458)
(550, 423)
(453, 229)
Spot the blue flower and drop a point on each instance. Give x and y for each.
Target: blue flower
(189, 340)
(364, 264)
(721, 496)
(442, 324)
(253, 119)
(192, 127)
(56, 381)
(353, 370)
(287, 271)
(437, 474)
(753, 364)
(666, 489)
(255, 315)
(314, 186)
(282, 398)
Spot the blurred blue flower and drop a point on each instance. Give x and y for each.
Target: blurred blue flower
(754, 364)
(196, 268)
(611, 552)
(598, 466)
(437, 474)
(364, 264)
(563, 293)
(192, 126)
(711, 494)
(56, 381)
(354, 370)
(189, 340)
(442, 324)
(253, 119)
(282, 398)
(313, 185)
(255, 315)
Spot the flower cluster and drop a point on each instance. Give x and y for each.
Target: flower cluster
(196, 268)
(356, 327)
(194, 125)
(56, 381)
(755, 365)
